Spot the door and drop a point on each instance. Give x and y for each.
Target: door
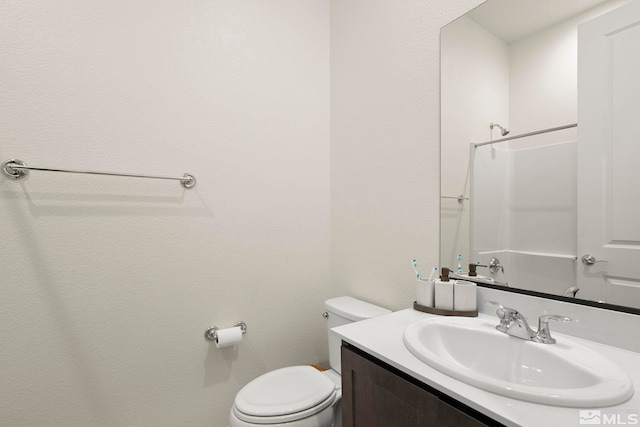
(609, 156)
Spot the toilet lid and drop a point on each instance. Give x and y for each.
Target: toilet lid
(284, 391)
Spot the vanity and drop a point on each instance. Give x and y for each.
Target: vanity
(377, 394)
(384, 384)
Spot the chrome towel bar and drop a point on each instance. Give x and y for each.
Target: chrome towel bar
(17, 169)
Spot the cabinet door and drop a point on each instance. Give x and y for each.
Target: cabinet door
(372, 396)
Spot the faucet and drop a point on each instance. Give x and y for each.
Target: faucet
(494, 265)
(513, 323)
(571, 291)
(544, 334)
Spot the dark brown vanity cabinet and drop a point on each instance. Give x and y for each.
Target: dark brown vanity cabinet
(375, 394)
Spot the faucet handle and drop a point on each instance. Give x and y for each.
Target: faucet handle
(500, 311)
(544, 333)
(504, 314)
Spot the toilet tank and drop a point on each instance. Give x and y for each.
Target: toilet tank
(343, 310)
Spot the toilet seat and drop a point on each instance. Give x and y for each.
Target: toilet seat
(284, 395)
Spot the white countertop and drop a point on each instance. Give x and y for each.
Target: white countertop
(382, 338)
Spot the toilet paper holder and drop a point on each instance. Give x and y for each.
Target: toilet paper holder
(211, 334)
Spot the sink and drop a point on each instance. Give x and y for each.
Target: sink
(562, 374)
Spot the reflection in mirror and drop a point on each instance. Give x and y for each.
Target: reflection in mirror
(512, 66)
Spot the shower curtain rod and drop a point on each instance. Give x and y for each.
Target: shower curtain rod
(17, 169)
(522, 135)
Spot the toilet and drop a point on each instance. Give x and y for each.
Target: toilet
(302, 396)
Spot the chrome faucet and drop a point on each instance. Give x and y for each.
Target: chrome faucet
(513, 323)
(571, 291)
(544, 334)
(495, 266)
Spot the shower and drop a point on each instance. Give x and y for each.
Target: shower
(503, 131)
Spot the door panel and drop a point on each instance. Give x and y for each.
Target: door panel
(609, 156)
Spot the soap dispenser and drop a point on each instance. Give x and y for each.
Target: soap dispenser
(472, 270)
(444, 291)
(473, 274)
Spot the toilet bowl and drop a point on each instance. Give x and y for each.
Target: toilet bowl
(302, 396)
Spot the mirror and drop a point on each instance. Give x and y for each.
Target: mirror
(510, 68)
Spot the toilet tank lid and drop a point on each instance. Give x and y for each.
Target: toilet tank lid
(353, 309)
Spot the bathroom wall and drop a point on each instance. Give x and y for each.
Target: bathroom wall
(385, 120)
(108, 284)
(475, 79)
(544, 80)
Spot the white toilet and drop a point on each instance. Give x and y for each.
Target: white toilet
(302, 396)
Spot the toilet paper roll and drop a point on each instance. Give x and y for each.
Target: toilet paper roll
(228, 337)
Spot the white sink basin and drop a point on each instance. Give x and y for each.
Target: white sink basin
(561, 374)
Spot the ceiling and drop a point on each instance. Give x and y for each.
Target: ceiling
(511, 20)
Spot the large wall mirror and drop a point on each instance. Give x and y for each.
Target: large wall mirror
(540, 105)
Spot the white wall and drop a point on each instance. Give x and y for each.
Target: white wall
(108, 284)
(544, 79)
(475, 79)
(385, 143)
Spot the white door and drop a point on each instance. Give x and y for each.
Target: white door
(609, 156)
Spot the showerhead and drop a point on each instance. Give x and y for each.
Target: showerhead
(503, 131)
